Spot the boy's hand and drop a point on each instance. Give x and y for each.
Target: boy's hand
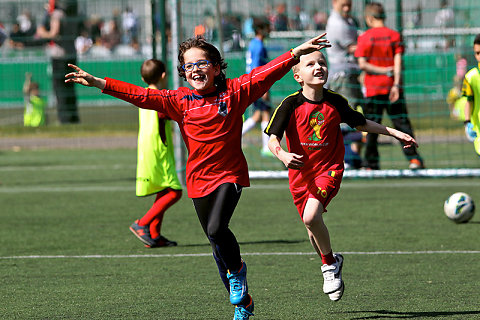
(469, 132)
(394, 94)
(84, 78)
(314, 44)
(405, 139)
(292, 160)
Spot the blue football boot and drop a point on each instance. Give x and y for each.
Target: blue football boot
(243, 312)
(238, 284)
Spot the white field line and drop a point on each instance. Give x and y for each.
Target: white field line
(284, 185)
(182, 255)
(65, 167)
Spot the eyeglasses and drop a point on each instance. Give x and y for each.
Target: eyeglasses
(201, 64)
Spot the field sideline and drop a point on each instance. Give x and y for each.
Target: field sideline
(66, 251)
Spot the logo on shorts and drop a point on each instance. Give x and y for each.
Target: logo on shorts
(322, 192)
(316, 121)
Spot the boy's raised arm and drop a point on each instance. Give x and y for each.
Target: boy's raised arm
(84, 78)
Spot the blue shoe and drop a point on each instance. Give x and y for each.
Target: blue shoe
(238, 284)
(142, 233)
(161, 241)
(244, 312)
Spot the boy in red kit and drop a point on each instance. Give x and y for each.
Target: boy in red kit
(210, 120)
(379, 52)
(156, 170)
(310, 119)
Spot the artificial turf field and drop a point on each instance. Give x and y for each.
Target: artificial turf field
(66, 251)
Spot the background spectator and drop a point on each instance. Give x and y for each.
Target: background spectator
(342, 31)
(257, 56)
(379, 54)
(17, 37)
(129, 25)
(111, 35)
(300, 20)
(3, 34)
(320, 20)
(94, 26)
(26, 23)
(445, 17)
(83, 42)
(280, 19)
(61, 27)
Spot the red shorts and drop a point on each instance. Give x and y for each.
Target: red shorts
(323, 188)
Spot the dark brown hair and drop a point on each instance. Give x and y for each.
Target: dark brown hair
(212, 53)
(152, 70)
(260, 24)
(477, 39)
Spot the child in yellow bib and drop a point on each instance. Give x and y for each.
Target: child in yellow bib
(156, 171)
(34, 114)
(471, 90)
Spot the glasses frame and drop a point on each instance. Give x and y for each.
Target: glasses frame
(193, 64)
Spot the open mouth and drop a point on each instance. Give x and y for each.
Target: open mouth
(198, 77)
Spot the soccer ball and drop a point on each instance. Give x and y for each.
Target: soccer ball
(459, 207)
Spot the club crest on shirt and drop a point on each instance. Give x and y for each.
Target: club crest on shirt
(316, 121)
(222, 108)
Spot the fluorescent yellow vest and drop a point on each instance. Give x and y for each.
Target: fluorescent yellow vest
(471, 89)
(155, 161)
(34, 114)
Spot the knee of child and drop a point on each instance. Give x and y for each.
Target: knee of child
(312, 219)
(214, 233)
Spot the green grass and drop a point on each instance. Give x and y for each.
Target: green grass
(66, 251)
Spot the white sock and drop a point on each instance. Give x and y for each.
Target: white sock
(265, 137)
(247, 125)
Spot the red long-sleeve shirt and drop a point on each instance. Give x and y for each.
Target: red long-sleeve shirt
(210, 123)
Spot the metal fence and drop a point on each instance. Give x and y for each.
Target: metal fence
(116, 36)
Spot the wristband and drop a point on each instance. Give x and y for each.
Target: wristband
(466, 122)
(293, 55)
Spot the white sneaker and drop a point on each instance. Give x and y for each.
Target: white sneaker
(337, 295)
(332, 275)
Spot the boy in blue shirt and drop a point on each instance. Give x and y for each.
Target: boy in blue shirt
(257, 56)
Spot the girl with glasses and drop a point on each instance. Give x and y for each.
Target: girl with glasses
(210, 120)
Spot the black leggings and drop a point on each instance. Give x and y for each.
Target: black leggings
(214, 212)
(398, 114)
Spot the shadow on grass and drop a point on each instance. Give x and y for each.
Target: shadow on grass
(251, 242)
(389, 314)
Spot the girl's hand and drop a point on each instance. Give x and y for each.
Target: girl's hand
(84, 78)
(314, 44)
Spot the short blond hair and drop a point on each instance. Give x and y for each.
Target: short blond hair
(296, 67)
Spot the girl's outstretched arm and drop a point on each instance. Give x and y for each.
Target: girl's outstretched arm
(84, 78)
